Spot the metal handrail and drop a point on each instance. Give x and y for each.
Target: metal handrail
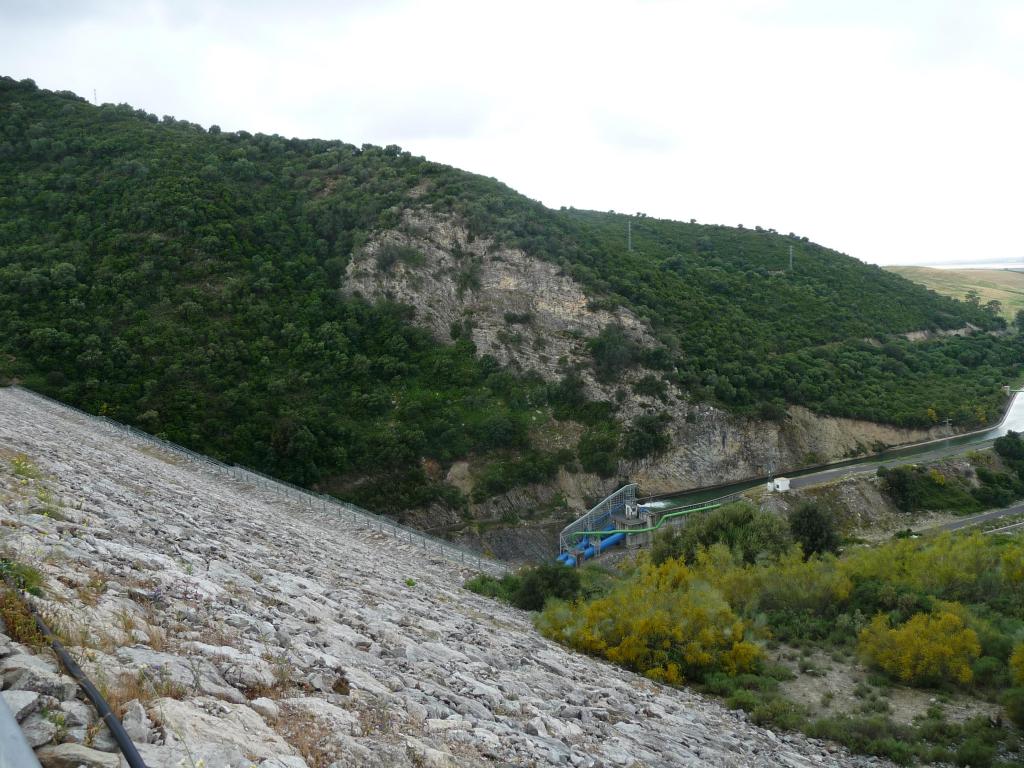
(323, 502)
(598, 515)
(666, 516)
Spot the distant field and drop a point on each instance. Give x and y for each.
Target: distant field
(1004, 285)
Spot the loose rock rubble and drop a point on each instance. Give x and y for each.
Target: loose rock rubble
(232, 627)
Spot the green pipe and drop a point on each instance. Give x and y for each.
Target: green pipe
(631, 531)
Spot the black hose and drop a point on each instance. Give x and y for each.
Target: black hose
(124, 741)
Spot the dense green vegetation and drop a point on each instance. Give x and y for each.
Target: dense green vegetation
(945, 614)
(740, 328)
(749, 534)
(530, 588)
(186, 280)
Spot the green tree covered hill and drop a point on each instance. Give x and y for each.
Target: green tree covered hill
(187, 281)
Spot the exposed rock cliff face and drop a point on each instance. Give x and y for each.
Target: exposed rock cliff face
(523, 311)
(251, 629)
(529, 316)
(719, 447)
(928, 335)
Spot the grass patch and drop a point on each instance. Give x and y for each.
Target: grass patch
(146, 685)
(530, 588)
(1003, 285)
(23, 576)
(21, 625)
(24, 468)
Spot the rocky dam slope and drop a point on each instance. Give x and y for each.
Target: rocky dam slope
(235, 627)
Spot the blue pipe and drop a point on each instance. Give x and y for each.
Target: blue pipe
(611, 541)
(585, 550)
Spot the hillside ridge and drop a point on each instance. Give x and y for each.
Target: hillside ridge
(266, 301)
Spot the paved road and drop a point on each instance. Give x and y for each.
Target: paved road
(954, 525)
(1008, 528)
(993, 514)
(1013, 419)
(826, 475)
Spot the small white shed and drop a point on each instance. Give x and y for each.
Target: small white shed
(779, 484)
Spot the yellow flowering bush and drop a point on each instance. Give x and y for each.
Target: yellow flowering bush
(926, 650)
(663, 623)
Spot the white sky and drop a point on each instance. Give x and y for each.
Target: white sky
(892, 130)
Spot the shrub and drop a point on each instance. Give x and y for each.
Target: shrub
(912, 488)
(975, 753)
(529, 467)
(23, 467)
(597, 451)
(989, 671)
(538, 584)
(1010, 446)
(646, 436)
(390, 254)
(1013, 702)
(814, 529)
(613, 352)
(873, 734)
(530, 588)
(1017, 664)
(661, 622)
(744, 699)
(518, 318)
(816, 586)
(488, 586)
(780, 713)
(972, 568)
(651, 386)
(926, 650)
(748, 533)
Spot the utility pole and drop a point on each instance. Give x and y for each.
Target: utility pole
(791, 258)
(93, 95)
(629, 234)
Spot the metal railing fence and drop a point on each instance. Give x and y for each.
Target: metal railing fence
(356, 515)
(598, 516)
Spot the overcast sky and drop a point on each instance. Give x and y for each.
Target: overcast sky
(891, 130)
